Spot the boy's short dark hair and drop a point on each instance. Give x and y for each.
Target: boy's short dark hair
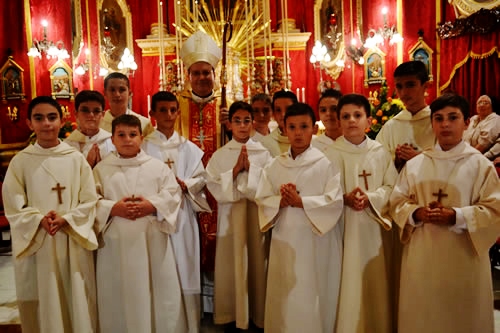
(414, 67)
(163, 96)
(355, 99)
(262, 97)
(240, 105)
(89, 96)
(334, 93)
(284, 94)
(127, 120)
(300, 109)
(43, 100)
(453, 100)
(116, 75)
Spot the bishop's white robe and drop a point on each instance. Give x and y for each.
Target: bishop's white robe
(365, 299)
(83, 143)
(55, 276)
(306, 244)
(322, 142)
(242, 250)
(184, 159)
(445, 277)
(138, 288)
(275, 142)
(146, 125)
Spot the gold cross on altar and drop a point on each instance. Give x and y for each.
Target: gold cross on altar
(440, 195)
(365, 176)
(169, 162)
(59, 189)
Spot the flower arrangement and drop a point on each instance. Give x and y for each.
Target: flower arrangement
(66, 129)
(383, 108)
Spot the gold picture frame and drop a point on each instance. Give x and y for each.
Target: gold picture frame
(374, 66)
(324, 32)
(422, 52)
(12, 76)
(61, 80)
(115, 32)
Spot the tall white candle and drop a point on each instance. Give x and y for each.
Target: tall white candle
(303, 95)
(298, 94)
(149, 104)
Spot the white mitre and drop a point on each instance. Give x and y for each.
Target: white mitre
(200, 47)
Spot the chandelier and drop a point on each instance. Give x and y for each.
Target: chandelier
(47, 47)
(376, 37)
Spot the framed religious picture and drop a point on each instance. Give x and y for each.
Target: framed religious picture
(328, 28)
(115, 32)
(12, 76)
(422, 52)
(61, 80)
(374, 66)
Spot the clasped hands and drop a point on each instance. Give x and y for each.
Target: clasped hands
(243, 163)
(52, 222)
(132, 208)
(435, 213)
(356, 199)
(290, 196)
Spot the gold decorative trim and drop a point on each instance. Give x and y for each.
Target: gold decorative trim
(76, 7)
(89, 41)
(438, 49)
(125, 8)
(462, 62)
(464, 8)
(29, 40)
(399, 18)
(331, 67)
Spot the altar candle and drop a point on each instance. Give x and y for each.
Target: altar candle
(303, 94)
(298, 95)
(149, 104)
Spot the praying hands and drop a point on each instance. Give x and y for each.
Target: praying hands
(290, 196)
(242, 164)
(94, 155)
(133, 208)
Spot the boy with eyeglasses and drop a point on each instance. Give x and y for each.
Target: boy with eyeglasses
(93, 142)
(233, 173)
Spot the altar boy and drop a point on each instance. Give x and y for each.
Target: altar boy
(49, 199)
(233, 173)
(447, 204)
(300, 199)
(137, 281)
(184, 159)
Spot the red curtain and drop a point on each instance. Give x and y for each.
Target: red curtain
(477, 77)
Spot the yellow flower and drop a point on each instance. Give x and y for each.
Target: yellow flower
(384, 119)
(374, 121)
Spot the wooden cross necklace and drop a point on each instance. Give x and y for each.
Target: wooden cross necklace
(365, 176)
(59, 190)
